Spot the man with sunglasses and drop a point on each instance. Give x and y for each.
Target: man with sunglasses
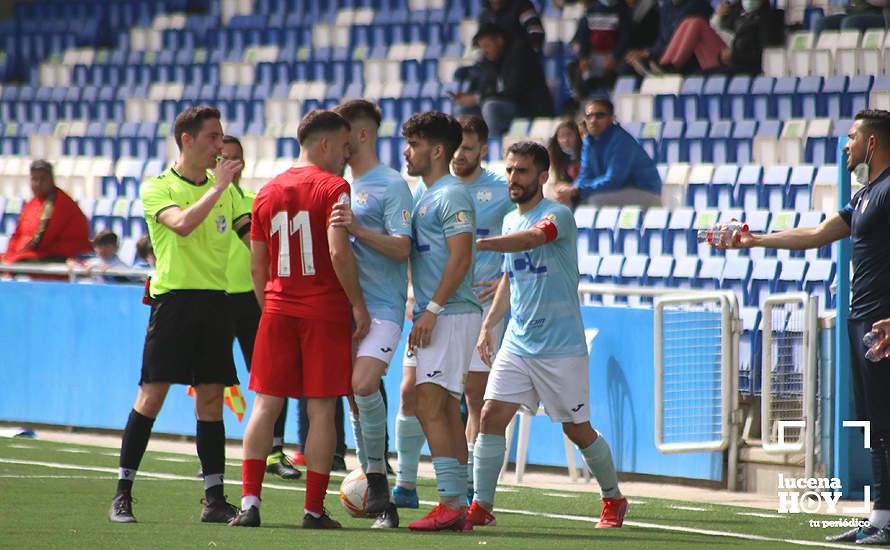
(615, 170)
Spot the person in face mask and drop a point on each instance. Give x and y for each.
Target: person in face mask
(564, 148)
(864, 220)
(754, 26)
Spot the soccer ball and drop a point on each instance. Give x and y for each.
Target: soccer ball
(354, 493)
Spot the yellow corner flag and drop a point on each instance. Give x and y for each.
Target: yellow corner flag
(232, 397)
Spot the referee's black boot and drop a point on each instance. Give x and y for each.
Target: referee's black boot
(378, 494)
(122, 509)
(218, 511)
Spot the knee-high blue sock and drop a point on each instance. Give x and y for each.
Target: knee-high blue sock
(598, 457)
(372, 418)
(359, 443)
(409, 441)
(488, 456)
(448, 477)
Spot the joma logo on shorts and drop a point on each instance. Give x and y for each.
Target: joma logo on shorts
(433, 374)
(578, 408)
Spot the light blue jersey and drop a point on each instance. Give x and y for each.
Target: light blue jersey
(443, 210)
(492, 200)
(544, 306)
(381, 201)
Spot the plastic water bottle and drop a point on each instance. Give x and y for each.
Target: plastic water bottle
(874, 341)
(724, 234)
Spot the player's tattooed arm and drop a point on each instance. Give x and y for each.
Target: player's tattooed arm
(514, 242)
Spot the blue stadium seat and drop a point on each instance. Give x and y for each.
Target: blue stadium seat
(773, 186)
(604, 229)
(672, 149)
(658, 274)
(685, 272)
(856, 97)
(633, 273)
(710, 273)
(783, 98)
(137, 225)
(689, 100)
(697, 145)
(818, 280)
(652, 231)
(736, 276)
(735, 102)
(722, 188)
(749, 350)
(718, 148)
(588, 264)
(627, 231)
(677, 232)
(711, 104)
(833, 93)
(584, 219)
(609, 272)
(704, 220)
(748, 187)
(792, 277)
(799, 185)
(807, 97)
(740, 148)
(760, 103)
(812, 218)
(763, 279)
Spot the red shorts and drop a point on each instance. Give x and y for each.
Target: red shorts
(295, 357)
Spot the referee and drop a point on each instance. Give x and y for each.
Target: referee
(864, 220)
(190, 209)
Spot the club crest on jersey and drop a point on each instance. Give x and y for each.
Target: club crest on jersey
(421, 211)
(221, 224)
(361, 197)
(406, 218)
(551, 216)
(461, 218)
(483, 196)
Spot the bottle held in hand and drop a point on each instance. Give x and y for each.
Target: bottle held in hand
(723, 234)
(876, 342)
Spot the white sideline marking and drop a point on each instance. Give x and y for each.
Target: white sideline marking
(11, 476)
(689, 508)
(73, 450)
(562, 495)
(636, 502)
(174, 459)
(674, 528)
(20, 446)
(760, 515)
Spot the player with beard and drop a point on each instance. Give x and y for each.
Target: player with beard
(543, 357)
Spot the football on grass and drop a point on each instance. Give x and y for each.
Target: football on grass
(354, 493)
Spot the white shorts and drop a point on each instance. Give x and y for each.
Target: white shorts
(409, 359)
(497, 333)
(381, 341)
(446, 360)
(562, 384)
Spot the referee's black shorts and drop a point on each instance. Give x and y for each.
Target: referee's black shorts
(871, 381)
(189, 339)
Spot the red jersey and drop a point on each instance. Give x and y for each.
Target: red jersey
(291, 214)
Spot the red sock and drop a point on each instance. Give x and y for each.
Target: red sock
(252, 472)
(316, 487)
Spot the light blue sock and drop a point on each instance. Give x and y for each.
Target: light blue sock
(470, 447)
(448, 476)
(599, 459)
(409, 441)
(359, 443)
(488, 456)
(372, 417)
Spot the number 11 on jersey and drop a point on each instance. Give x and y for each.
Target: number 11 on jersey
(298, 224)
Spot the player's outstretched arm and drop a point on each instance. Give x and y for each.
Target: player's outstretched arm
(343, 262)
(498, 310)
(799, 238)
(397, 247)
(184, 221)
(259, 269)
(514, 242)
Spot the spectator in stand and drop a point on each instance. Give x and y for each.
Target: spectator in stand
(145, 252)
(615, 170)
(519, 18)
(565, 158)
(754, 25)
(600, 41)
(51, 227)
(105, 246)
(683, 20)
(858, 14)
(644, 17)
(510, 82)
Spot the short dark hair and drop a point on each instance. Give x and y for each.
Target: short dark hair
(317, 121)
(474, 124)
(488, 29)
(144, 248)
(532, 149)
(357, 109)
(105, 237)
(228, 140)
(40, 164)
(437, 128)
(191, 120)
(876, 121)
(604, 101)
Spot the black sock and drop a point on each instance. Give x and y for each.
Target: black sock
(880, 469)
(211, 443)
(278, 430)
(133, 445)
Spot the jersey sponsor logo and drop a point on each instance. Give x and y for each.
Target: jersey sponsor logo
(433, 374)
(483, 196)
(481, 231)
(406, 218)
(361, 197)
(221, 224)
(537, 323)
(461, 218)
(525, 262)
(577, 408)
